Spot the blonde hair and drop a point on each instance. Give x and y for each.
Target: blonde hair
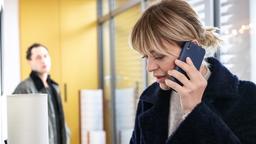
(172, 21)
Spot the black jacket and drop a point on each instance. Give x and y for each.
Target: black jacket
(226, 115)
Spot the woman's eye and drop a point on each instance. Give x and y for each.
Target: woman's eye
(159, 57)
(144, 57)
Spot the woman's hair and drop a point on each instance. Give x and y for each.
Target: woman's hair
(171, 21)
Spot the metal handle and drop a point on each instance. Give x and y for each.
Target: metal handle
(65, 92)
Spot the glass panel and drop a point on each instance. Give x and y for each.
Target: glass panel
(107, 84)
(105, 7)
(151, 2)
(252, 31)
(129, 75)
(204, 8)
(119, 3)
(235, 31)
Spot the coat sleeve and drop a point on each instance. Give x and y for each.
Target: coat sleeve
(202, 126)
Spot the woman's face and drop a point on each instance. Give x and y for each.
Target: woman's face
(159, 64)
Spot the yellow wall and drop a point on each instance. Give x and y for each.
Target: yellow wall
(79, 55)
(39, 22)
(68, 28)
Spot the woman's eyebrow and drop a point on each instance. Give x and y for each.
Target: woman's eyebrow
(173, 54)
(155, 53)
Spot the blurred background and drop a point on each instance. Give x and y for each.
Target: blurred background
(100, 76)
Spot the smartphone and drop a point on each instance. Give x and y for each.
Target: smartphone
(196, 54)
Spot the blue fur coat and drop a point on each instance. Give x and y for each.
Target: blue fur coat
(226, 115)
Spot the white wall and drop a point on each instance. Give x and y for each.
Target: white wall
(1, 139)
(11, 51)
(11, 57)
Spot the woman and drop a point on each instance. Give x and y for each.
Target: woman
(212, 106)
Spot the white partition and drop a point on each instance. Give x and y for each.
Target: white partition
(125, 107)
(91, 105)
(27, 119)
(97, 137)
(125, 136)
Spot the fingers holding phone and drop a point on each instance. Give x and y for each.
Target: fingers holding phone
(186, 78)
(193, 85)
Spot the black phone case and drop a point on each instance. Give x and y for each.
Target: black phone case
(195, 52)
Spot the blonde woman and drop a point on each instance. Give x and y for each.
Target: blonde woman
(212, 106)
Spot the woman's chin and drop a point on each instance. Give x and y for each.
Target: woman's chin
(161, 80)
(163, 86)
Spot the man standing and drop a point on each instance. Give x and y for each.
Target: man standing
(39, 81)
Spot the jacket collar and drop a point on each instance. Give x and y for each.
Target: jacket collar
(150, 95)
(38, 82)
(156, 118)
(222, 83)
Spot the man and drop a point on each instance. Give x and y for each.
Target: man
(39, 81)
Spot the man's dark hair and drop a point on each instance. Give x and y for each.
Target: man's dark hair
(34, 45)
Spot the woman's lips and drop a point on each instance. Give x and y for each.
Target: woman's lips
(160, 79)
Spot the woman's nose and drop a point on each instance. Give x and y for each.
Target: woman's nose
(151, 65)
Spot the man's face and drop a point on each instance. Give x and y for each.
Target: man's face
(40, 60)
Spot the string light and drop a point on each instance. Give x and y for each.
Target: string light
(249, 28)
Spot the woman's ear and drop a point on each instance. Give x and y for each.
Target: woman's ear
(195, 42)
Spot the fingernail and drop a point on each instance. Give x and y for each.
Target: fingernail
(188, 59)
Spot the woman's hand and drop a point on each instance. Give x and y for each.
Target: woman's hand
(193, 88)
